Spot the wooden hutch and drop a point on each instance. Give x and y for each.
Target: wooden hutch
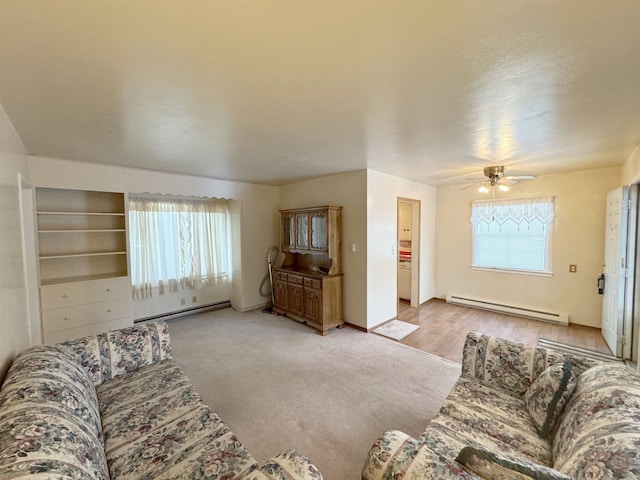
(308, 285)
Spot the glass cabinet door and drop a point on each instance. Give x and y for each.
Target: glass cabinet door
(318, 230)
(288, 231)
(302, 230)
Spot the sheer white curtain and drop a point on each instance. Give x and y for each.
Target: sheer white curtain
(517, 210)
(178, 243)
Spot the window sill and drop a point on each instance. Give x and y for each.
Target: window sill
(531, 273)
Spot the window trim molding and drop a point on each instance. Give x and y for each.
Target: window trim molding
(514, 271)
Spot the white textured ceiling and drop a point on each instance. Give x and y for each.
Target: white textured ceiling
(271, 91)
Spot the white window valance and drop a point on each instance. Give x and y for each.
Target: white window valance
(517, 210)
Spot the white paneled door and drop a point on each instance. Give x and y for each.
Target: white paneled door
(618, 270)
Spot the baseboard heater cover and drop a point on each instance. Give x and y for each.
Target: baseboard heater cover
(185, 312)
(559, 318)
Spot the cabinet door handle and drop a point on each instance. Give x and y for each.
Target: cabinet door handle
(108, 289)
(66, 317)
(64, 295)
(109, 310)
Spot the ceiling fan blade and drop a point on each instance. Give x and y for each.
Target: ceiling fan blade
(472, 185)
(509, 181)
(520, 177)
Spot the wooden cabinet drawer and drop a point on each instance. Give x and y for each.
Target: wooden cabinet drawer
(75, 316)
(280, 276)
(78, 332)
(67, 294)
(313, 283)
(295, 279)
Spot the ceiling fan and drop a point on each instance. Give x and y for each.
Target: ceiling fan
(496, 178)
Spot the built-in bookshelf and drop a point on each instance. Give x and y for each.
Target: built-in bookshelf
(81, 235)
(83, 266)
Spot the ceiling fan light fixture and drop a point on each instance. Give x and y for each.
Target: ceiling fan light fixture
(495, 178)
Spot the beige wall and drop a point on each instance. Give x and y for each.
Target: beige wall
(255, 210)
(578, 239)
(14, 326)
(631, 168)
(350, 191)
(382, 262)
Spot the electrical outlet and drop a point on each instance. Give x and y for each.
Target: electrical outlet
(183, 301)
(194, 299)
(573, 268)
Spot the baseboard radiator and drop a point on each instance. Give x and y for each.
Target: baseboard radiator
(184, 312)
(559, 318)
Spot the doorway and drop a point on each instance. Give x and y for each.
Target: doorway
(408, 251)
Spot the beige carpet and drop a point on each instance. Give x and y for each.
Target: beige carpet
(279, 385)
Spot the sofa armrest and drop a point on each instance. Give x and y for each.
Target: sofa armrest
(509, 365)
(116, 352)
(288, 465)
(398, 456)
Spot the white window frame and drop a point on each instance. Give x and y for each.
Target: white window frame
(515, 210)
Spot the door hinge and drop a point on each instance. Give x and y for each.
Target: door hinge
(629, 204)
(622, 340)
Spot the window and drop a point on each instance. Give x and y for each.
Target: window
(178, 243)
(513, 234)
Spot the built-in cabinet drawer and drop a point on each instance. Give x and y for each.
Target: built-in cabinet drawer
(67, 294)
(78, 315)
(72, 310)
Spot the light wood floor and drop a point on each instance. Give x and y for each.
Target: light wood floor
(443, 328)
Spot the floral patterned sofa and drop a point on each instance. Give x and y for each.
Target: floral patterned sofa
(115, 405)
(522, 412)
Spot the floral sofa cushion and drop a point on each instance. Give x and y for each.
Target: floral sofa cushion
(476, 413)
(49, 419)
(512, 366)
(117, 352)
(155, 414)
(598, 435)
(548, 394)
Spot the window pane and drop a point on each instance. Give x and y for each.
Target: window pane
(511, 246)
(518, 241)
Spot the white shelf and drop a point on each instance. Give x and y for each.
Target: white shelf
(76, 255)
(117, 214)
(91, 230)
(81, 278)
